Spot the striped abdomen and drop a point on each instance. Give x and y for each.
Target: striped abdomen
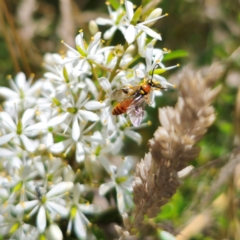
(121, 107)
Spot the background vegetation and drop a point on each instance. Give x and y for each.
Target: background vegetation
(199, 33)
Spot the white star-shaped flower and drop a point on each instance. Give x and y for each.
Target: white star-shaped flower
(134, 28)
(116, 22)
(21, 130)
(121, 180)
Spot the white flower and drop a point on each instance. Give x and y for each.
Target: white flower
(23, 95)
(60, 76)
(78, 221)
(74, 113)
(134, 28)
(83, 57)
(20, 130)
(81, 144)
(115, 21)
(106, 117)
(15, 228)
(121, 180)
(11, 158)
(46, 204)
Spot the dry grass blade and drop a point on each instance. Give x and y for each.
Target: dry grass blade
(174, 143)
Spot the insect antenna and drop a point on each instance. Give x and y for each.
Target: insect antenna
(151, 80)
(156, 66)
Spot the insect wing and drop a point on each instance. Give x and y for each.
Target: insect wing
(136, 110)
(121, 94)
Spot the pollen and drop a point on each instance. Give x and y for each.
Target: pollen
(178, 65)
(37, 113)
(107, 3)
(23, 205)
(5, 204)
(50, 156)
(166, 14)
(9, 77)
(62, 41)
(149, 123)
(92, 38)
(80, 30)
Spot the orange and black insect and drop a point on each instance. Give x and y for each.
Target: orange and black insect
(133, 99)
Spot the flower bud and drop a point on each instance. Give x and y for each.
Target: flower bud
(54, 232)
(118, 50)
(93, 27)
(154, 14)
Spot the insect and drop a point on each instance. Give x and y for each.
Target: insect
(38, 192)
(132, 100)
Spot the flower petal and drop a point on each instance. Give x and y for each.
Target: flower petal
(6, 138)
(130, 34)
(59, 189)
(7, 93)
(134, 135)
(120, 199)
(80, 153)
(129, 9)
(105, 187)
(83, 96)
(109, 33)
(79, 227)
(60, 146)
(27, 143)
(21, 81)
(88, 116)
(7, 120)
(27, 116)
(4, 152)
(106, 164)
(105, 84)
(149, 54)
(75, 129)
(149, 31)
(61, 210)
(104, 21)
(41, 219)
(57, 120)
(124, 169)
(94, 105)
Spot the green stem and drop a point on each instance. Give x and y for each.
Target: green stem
(95, 77)
(99, 65)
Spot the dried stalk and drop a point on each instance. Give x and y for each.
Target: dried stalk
(174, 144)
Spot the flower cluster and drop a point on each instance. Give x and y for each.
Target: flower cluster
(58, 130)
